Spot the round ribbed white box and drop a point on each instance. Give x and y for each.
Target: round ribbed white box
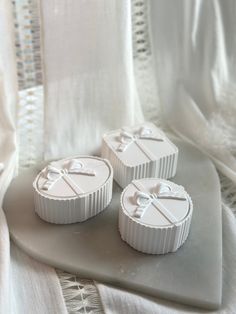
(155, 215)
(73, 189)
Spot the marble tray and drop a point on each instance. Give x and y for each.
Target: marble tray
(94, 249)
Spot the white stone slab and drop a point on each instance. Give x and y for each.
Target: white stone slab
(94, 249)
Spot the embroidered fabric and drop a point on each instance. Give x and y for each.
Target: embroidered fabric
(29, 72)
(30, 79)
(81, 295)
(228, 192)
(144, 64)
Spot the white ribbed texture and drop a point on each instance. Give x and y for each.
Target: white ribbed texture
(154, 240)
(78, 209)
(164, 167)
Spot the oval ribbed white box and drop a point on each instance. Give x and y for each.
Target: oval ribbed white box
(73, 189)
(141, 151)
(155, 215)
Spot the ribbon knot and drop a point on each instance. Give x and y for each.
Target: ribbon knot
(53, 174)
(126, 138)
(163, 191)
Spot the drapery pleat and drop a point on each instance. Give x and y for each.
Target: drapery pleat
(34, 287)
(8, 156)
(8, 97)
(88, 73)
(24, 284)
(194, 50)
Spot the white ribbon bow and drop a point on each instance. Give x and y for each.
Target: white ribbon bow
(144, 200)
(53, 174)
(126, 138)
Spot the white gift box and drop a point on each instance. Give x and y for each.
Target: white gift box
(73, 189)
(155, 215)
(142, 151)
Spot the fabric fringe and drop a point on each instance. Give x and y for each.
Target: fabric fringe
(228, 192)
(81, 295)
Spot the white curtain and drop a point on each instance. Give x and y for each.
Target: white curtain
(90, 86)
(25, 285)
(89, 75)
(88, 72)
(8, 96)
(194, 48)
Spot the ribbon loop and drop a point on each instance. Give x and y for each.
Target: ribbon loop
(142, 199)
(77, 167)
(145, 132)
(52, 173)
(163, 191)
(74, 166)
(126, 137)
(162, 188)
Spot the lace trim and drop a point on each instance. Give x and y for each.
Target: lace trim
(29, 72)
(27, 43)
(144, 63)
(81, 295)
(30, 126)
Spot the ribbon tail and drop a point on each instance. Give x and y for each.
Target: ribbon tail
(73, 185)
(122, 147)
(173, 196)
(52, 176)
(48, 185)
(165, 212)
(88, 172)
(151, 137)
(139, 212)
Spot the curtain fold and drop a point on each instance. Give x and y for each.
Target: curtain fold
(24, 284)
(8, 97)
(8, 156)
(193, 46)
(88, 73)
(35, 287)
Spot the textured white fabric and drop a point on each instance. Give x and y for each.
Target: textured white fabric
(193, 45)
(35, 287)
(8, 97)
(88, 73)
(7, 140)
(25, 285)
